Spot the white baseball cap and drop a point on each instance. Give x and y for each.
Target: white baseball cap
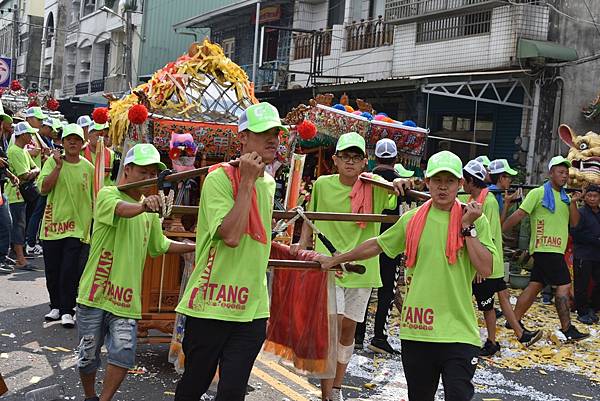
(84, 121)
(476, 169)
(24, 128)
(386, 148)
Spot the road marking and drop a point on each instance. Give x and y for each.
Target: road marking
(278, 385)
(299, 380)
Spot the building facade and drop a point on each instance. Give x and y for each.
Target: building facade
(25, 49)
(95, 48)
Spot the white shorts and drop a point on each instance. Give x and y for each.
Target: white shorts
(352, 302)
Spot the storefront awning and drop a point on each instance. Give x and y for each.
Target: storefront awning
(538, 48)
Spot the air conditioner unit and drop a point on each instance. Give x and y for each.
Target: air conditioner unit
(85, 61)
(90, 3)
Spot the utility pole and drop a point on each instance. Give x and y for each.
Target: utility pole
(129, 46)
(15, 40)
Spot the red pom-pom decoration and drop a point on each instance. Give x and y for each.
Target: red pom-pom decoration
(15, 85)
(174, 153)
(100, 115)
(307, 130)
(138, 114)
(33, 103)
(52, 104)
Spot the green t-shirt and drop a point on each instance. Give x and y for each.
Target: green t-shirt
(438, 306)
(229, 283)
(112, 279)
(69, 204)
(20, 162)
(549, 231)
(330, 195)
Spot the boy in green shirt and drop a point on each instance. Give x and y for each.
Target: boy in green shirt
(22, 165)
(548, 210)
(126, 229)
(67, 181)
(484, 289)
(226, 300)
(446, 245)
(331, 193)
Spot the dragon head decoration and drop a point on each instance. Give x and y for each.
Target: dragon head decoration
(584, 154)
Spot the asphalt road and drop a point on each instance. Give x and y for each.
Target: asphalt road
(34, 354)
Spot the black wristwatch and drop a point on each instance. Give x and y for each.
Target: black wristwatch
(470, 231)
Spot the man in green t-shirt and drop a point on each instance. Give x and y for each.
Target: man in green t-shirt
(226, 301)
(548, 210)
(67, 181)
(331, 193)
(96, 130)
(446, 245)
(126, 229)
(484, 289)
(22, 165)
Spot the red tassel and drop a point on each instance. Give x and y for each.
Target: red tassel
(52, 104)
(138, 113)
(100, 115)
(307, 130)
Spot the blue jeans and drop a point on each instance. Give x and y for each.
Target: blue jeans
(33, 224)
(5, 228)
(18, 212)
(97, 327)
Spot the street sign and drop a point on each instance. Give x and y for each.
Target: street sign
(5, 64)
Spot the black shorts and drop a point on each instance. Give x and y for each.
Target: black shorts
(484, 292)
(550, 269)
(424, 363)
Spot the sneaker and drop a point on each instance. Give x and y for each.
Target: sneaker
(499, 313)
(52, 316)
(587, 318)
(6, 269)
(67, 321)
(573, 334)
(34, 251)
(489, 348)
(547, 299)
(8, 261)
(92, 399)
(507, 325)
(528, 338)
(336, 394)
(381, 346)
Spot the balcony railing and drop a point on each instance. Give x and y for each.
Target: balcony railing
(82, 88)
(272, 75)
(97, 85)
(408, 10)
(368, 34)
(305, 42)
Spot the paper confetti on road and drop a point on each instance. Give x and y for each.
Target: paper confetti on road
(11, 335)
(4, 355)
(51, 349)
(63, 349)
(552, 352)
(169, 393)
(587, 397)
(35, 379)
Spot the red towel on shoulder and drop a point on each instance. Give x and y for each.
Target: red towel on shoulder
(361, 198)
(482, 195)
(254, 226)
(415, 228)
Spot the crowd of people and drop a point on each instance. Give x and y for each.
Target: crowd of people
(446, 252)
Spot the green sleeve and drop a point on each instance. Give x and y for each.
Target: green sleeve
(216, 200)
(106, 202)
(393, 240)
(382, 198)
(19, 161)
(484, 234)
(312, 203)
(532, 199)
(46, 170)
(158, 244)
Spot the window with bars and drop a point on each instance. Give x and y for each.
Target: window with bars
(454, 27)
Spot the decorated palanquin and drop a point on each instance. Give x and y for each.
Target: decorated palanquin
(333, 120)
(584, 154)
